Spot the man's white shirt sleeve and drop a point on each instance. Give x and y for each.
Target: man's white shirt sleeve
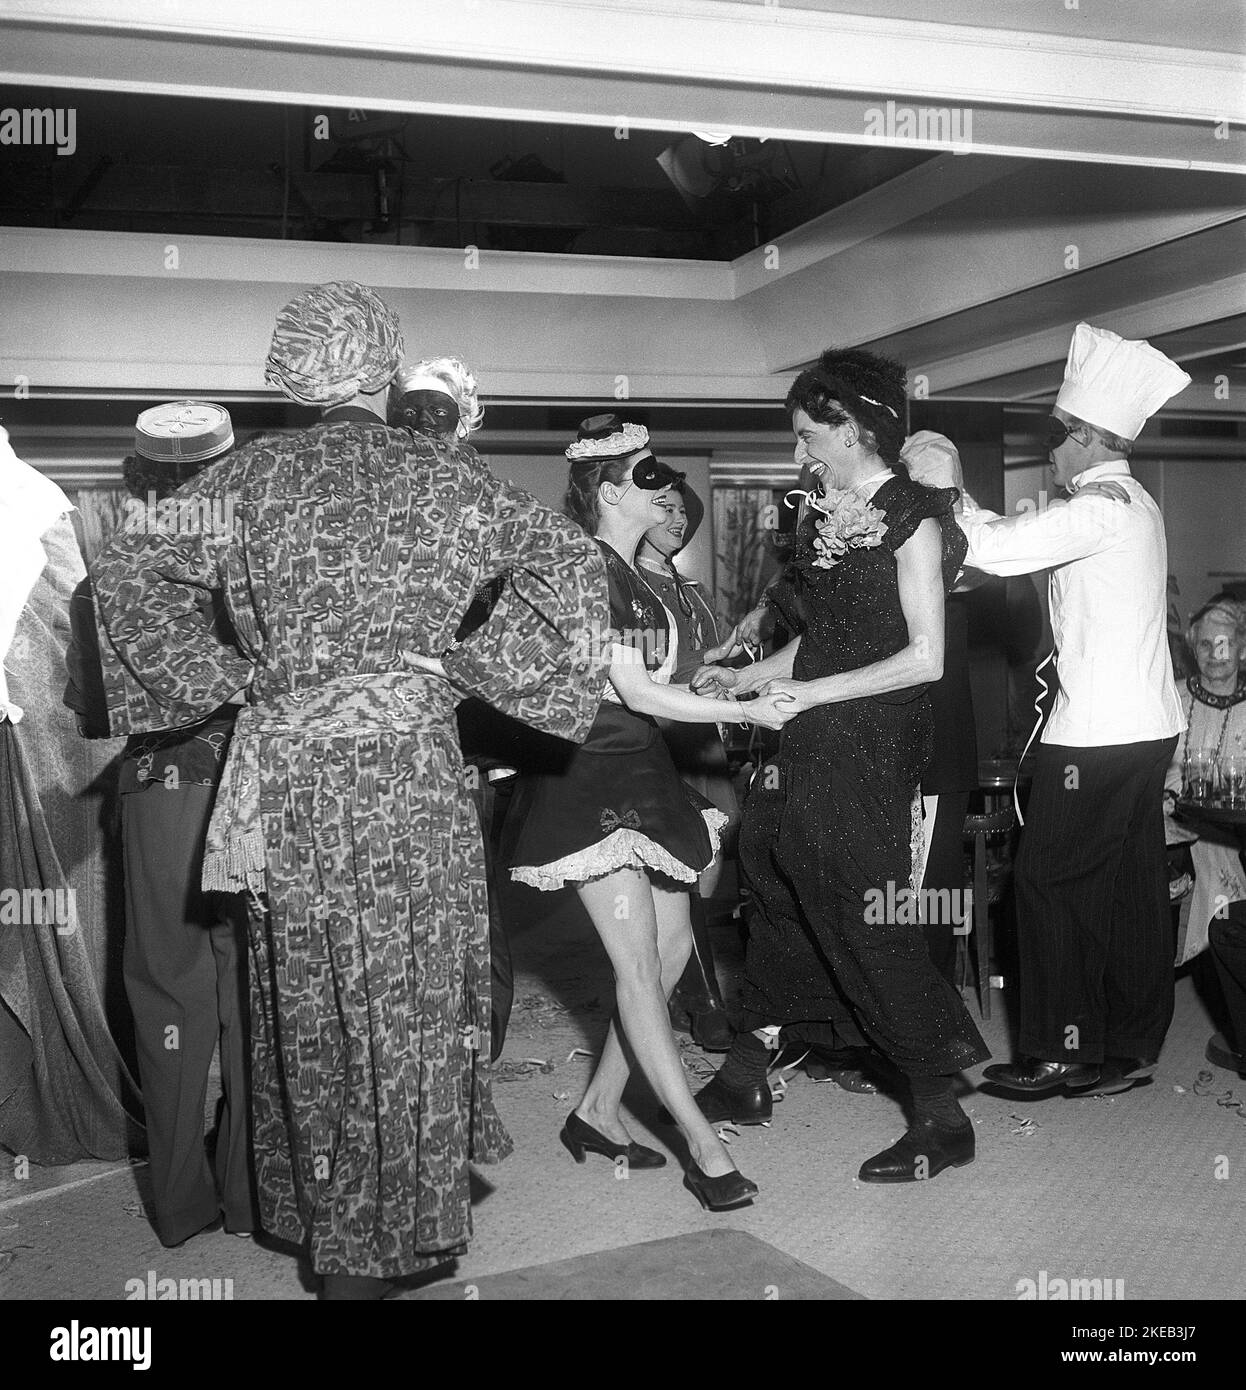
(1039, 539)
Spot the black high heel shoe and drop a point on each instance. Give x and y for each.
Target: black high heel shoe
(721, 1193)
(580, 1138)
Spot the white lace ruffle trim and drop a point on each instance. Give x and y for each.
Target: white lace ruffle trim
(917, 843)
(624, 849)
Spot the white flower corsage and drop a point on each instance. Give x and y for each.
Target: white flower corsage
(849, 523)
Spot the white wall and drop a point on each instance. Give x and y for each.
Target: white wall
(1204, 504)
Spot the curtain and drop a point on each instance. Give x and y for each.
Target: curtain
(66, 1092)
(100, 512)
(744, 556)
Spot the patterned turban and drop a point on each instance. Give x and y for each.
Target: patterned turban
(332, 342)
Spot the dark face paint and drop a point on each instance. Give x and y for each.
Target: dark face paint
(429, 413)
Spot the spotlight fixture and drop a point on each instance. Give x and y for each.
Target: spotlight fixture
(687, 167)
(703, 163)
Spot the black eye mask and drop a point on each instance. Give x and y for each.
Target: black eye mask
(651, 475)
(1057, 432)
(429, 412)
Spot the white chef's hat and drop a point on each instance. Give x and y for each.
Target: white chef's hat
(1114, 383)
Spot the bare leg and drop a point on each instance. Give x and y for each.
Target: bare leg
(636, 923)
(600, 1106)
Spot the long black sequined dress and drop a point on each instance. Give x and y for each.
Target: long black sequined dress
(826, 843)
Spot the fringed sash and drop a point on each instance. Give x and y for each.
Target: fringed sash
(235, 859)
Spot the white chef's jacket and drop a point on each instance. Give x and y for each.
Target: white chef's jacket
(1108, 590)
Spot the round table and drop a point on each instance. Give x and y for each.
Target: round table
(1211, 811)
(1231, 817)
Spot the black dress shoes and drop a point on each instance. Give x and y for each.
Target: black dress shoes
(744, 1105)
(723, 1193)
(1220, 1054)
(922, 1152)
(1117, 1074)
(1030, 1076)
(579, 1138)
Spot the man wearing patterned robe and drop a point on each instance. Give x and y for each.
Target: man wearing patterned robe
(344, 801)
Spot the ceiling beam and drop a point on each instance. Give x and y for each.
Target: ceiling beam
(1035, 247)
(761, 70)
(1015, 365)
(183, 192)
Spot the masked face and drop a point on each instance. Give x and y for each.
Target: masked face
(430, 413)
(1066, 448)
(644, 489)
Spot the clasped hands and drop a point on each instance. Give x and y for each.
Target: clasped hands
(777, 701)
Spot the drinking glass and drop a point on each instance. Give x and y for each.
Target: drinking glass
(1233, 779)
(1199, 765)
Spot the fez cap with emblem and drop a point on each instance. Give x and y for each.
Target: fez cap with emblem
(183, 432)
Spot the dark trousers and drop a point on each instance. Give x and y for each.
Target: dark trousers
(185, 976)
(492, 802)
(1228, 950)
(1094, 929)
(697, 989)
(945, 868)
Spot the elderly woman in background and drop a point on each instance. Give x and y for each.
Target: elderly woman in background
(353, 550)
(1213, 743)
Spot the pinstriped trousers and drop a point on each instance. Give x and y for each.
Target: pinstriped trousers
(1094, 929)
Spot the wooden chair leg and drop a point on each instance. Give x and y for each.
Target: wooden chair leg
(982, 925)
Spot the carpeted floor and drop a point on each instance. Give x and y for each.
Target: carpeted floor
(1147, 1188)
(703, 1265)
